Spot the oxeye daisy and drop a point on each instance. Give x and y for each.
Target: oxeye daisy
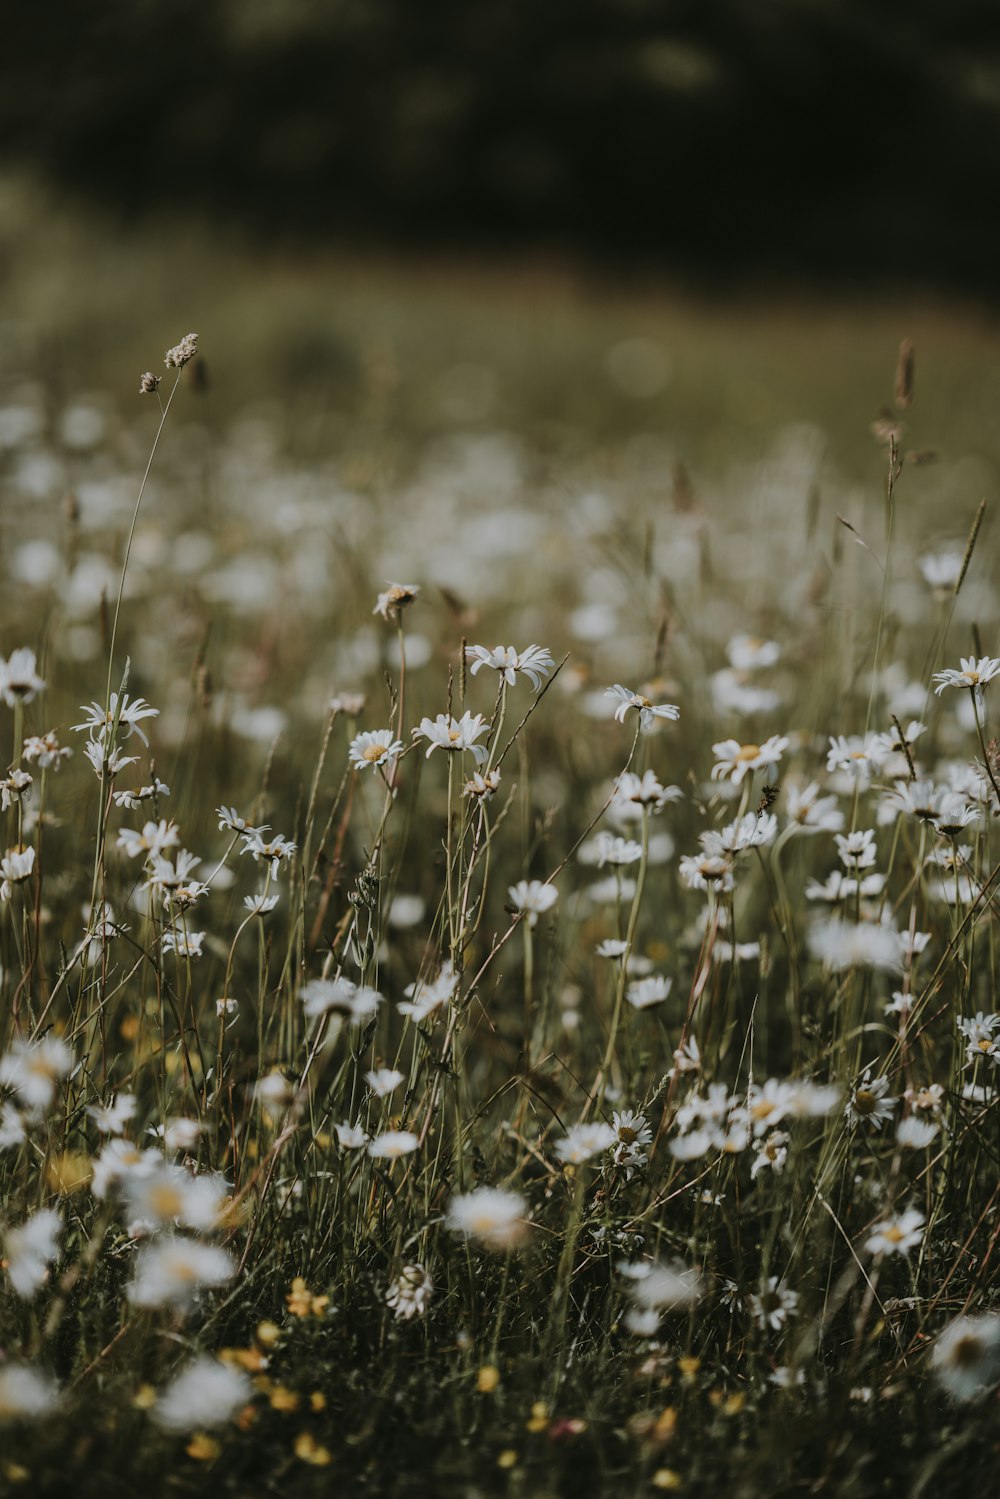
(374, 748)
(966, 1357)
(870, 1103)
(734, 761)
(973, 674)
(647, 710)
(493, 1217)
(445, 732)
(533, 897)
(19, 681)
(123, 711)
(535, 662)
(897, 1235)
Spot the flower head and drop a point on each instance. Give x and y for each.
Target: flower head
(647, 710)
(972, 674)
(534, 662)
(395, 599)
(897, 1235)
(19, 680)
(445, 732)
(533, 897)
(494, 1218)
(375, 747)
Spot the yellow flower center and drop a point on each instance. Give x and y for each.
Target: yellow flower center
(748, 752)
(894, 1234)
(373, 752)
(865, 1101)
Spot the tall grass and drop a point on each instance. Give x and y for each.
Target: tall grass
(564, 1062)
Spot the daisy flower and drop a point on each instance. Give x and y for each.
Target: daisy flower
(445, 732)
(972, 674)
(376, 747)
(32, 1069)
(496, 1219)
(171, 1271)
(534, 661)
(25, 1393)
(647, 710)
(870, 1103)
(15, 867)
(734, 761)
(534, 897)
(19, 681)
(897, 1235)
(584, 1141)
(775, 1304)
(207, 1393)
(124, 711)
(941, 570)
(393, 1144)
(384, 1080)
(30, 1250)
(966, 1357)
(648, 992)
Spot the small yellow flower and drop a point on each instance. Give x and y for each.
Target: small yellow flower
(734, 1404)
(144, 1398)
(689, 1367)
(15, 1473)
(665, 1478)
(666, 1425)
(250, 1359)
(487, 1379)
(284, 1399)
(308, 1450)
(203, 1448)
(267, 1334)
(317, 1401)
(539, 1416)
(301, 1301)
(507, 1458)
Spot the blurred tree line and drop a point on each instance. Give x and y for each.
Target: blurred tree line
(818, 137)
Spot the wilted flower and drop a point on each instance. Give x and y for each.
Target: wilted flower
(182, 353)
(395, 599)
(410, 1292)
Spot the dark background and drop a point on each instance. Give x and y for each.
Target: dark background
(818, 140)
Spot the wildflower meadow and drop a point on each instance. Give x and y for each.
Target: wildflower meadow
(497, 976)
